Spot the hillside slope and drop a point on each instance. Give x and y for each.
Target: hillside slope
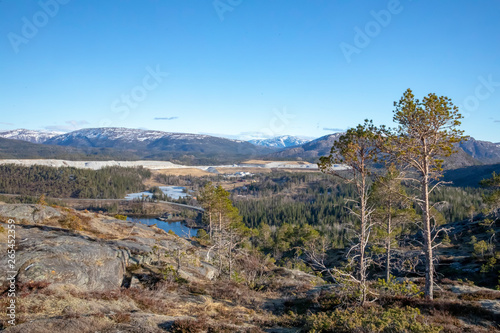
(182, 147)
(469, 153)
(28, 135)
(17, 149)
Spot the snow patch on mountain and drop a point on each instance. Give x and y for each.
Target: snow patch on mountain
(283, 141)
(28, 135)
(130, 135)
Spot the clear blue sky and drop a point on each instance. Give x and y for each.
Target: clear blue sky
(243, 67)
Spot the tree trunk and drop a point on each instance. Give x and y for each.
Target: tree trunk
(362, 245)
(230, 253)
(220, 243)
(388, 246)
(429, 265)
(210, 223)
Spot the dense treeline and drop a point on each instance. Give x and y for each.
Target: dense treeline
(315, 199)
(456, 204)
(318, 199)
(67, 182)
(288, 208)
(284, 201)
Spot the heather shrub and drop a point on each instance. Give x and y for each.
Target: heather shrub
(371, 319)
(395, 288)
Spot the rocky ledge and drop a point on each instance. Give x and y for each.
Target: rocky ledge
(90, 251)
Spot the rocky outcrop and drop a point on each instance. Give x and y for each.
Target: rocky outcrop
(56, 256)
(29, 213)
(96, 256)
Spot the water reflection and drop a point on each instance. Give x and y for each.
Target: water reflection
(177, 227)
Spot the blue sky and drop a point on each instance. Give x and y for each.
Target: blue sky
(244, 68)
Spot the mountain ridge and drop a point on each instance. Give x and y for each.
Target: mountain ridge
(187, 148)
(469, 153)
(282, 141)
(32, 136)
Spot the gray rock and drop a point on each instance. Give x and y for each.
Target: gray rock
(466, 289)
(208, 271)
(29, 213)
(84, 259)
(135, 283)
(58, 257)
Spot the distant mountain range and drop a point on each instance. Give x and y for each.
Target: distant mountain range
(283, 141)
(183, 148)
(483, 151)
(309, 151)
(17, 149)
(136, 144)
(470, 152)
(28, 135)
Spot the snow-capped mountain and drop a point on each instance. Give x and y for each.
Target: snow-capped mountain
(157, 144)
(123, 135)
(470, 152)
(310, 150)
(283, 141)
(28, 135)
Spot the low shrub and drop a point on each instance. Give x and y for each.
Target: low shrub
(371, 319)
(32, 286)
(189, 326)
(134, 267)
(393, 287)
(202, 324)
(121, 317)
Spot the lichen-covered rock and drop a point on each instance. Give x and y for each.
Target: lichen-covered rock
(57, 256)
(29, 213)
(94, 257)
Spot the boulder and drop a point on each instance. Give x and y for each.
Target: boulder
(88, 258)
(58, 257)
(29, 213)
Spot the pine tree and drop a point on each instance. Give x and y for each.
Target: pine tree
(393, 208)
(207, 199)
(356, 150)
(425, 134)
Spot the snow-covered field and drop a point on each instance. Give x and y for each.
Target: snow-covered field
(94, 164)
(153, 165)
(175, 192)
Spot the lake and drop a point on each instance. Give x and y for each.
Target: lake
(177, 227)
(175, 192)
